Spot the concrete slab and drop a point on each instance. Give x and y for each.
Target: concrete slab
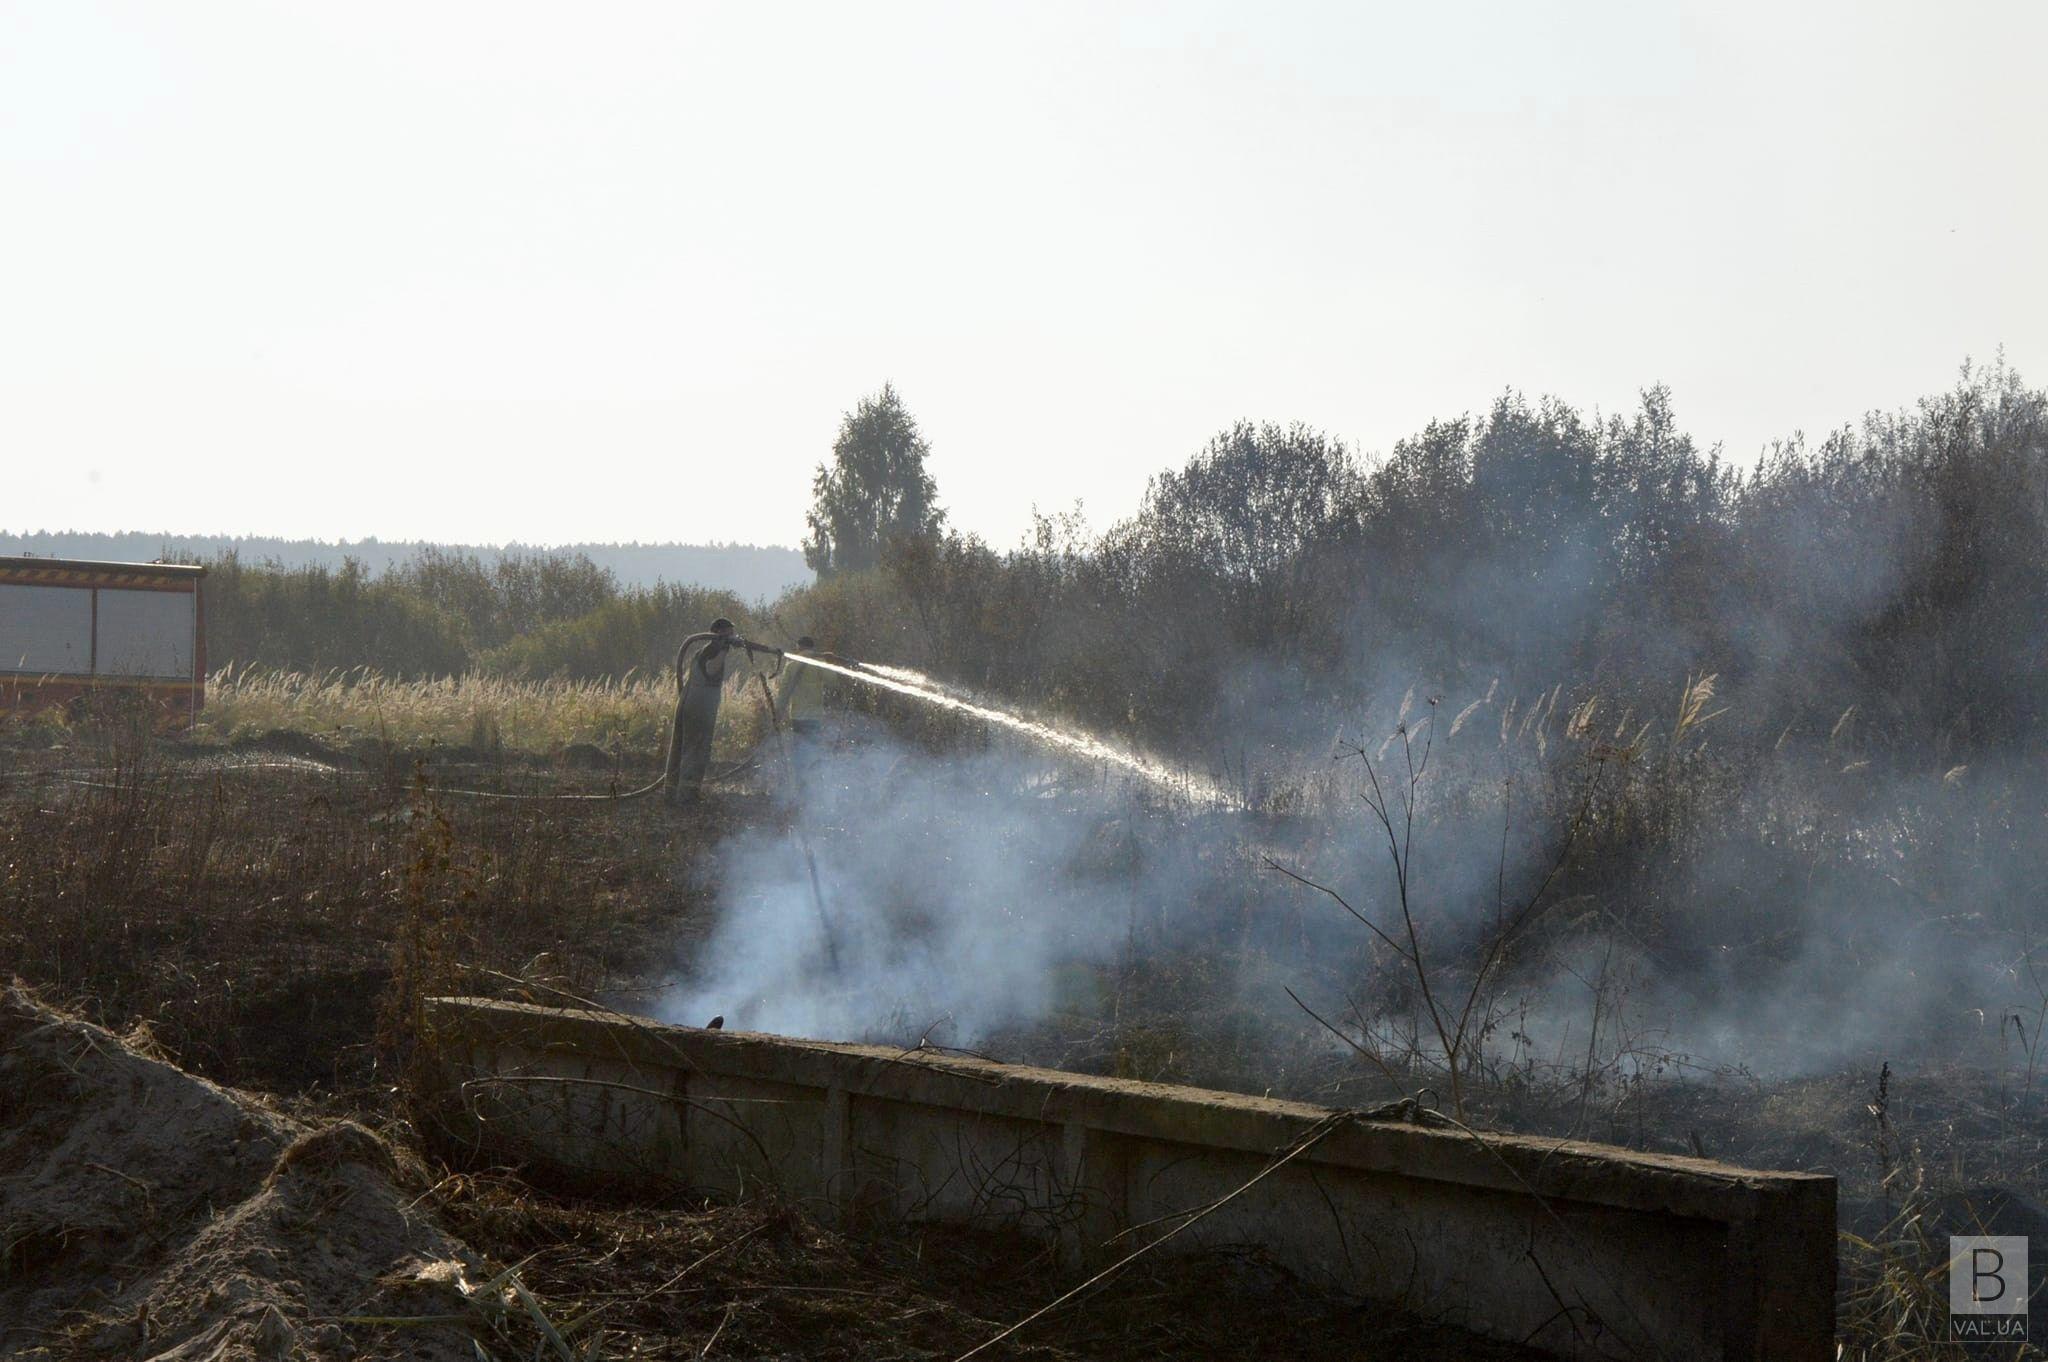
(1585, 1249)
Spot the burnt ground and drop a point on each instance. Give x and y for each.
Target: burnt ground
(266, 917)
(222, 949)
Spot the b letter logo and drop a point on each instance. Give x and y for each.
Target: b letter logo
(1987, 1286)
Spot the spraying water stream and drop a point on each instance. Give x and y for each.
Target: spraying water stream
(919, 686)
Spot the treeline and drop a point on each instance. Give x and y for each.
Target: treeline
(1885, 588)
(445, 613)
(756, 572)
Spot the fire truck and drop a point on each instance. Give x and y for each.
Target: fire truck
(73, 631)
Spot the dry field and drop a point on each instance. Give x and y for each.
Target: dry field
(474, 712)
(264, 913)
(262, 904)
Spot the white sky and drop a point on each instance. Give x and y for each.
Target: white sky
(556, 272)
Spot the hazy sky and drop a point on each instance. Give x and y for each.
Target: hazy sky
(558, 272)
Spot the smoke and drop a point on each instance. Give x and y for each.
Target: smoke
(1780, 925)
(912, 897)
(1864, 916)
(1012, 899)
(1837, 861)
(954, 898)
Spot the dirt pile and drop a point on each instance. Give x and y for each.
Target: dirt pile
(148, 1213)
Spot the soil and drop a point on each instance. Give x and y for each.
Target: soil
(145, 1212)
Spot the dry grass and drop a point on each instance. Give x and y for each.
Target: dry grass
(677, 1277)
(273, 928)
(457, 709)
(255, 916)
(628, 715)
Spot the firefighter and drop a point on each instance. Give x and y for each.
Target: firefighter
(796, 694)
(700, 684)
(797, 703)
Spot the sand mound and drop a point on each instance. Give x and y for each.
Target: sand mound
(147, 1213)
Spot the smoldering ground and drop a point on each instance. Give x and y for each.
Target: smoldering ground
(1671, 909)
(1829, 853)
(953, 896)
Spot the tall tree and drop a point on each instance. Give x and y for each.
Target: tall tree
(875, 489)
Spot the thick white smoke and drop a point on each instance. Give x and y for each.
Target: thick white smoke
(980, 893)
(959, 896)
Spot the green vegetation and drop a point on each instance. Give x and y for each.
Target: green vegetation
(1274, 586)
(1877, 591)
(750, 570)
(447, 615)
(875, 494)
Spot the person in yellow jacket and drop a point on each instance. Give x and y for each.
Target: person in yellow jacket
(799, 695)
(799, 689)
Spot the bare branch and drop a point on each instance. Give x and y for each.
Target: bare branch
(1369, 1054)
(1371, 926)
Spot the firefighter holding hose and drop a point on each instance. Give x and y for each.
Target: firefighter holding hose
(700, 685)
(701, 667)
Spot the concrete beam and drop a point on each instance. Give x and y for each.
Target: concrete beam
(1586, 1249)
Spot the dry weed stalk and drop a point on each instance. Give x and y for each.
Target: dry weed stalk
(1457, 1023)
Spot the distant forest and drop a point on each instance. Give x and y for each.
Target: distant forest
(747, 571)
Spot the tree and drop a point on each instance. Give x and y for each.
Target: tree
(874, 491)
(1253, 502)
